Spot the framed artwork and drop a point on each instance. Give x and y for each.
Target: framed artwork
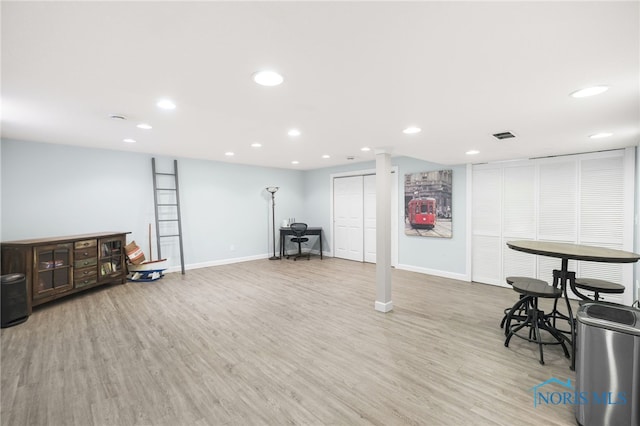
(427, 204)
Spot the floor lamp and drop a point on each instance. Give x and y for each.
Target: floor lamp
(273, 190)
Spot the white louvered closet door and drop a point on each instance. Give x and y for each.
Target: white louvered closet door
(519, 218)
(583, 199)
(486, 259)
(557, 210)
(602, 218)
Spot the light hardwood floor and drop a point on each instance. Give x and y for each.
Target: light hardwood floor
(275, 343)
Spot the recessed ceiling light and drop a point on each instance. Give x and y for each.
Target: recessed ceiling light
(267, 78)
(144, 126)
(365, 149)
(601, 135)
(411, 130)
(118, 117)
(472, 152)
(129, 140)
(589, 91)
(256, 145)
(229, 154)
(326, 156)
(295, 162)
(294, 132)
(166, 104)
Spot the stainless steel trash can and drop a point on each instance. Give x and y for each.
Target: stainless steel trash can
(608, 365)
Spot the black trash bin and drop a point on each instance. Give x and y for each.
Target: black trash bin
(14, 300)
(608, 365)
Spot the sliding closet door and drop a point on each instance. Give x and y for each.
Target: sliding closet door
(348, 217)
(518, 219)
(355, 217)
(581, 199)
(602, 221)
(486, 256)
(557, 210)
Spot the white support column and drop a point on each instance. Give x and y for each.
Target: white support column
(383, 231)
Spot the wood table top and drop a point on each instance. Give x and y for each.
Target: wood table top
(574, 251)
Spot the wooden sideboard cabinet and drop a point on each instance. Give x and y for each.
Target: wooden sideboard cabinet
(60, 266)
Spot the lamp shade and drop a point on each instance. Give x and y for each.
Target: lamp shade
(272, 189)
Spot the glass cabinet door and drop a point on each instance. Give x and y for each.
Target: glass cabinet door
(53, 265)
(111, 260)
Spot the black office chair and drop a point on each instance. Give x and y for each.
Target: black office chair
(299, 230)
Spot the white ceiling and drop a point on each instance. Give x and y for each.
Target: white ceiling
(356, 74)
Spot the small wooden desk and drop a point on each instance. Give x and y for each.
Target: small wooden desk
(310, 231)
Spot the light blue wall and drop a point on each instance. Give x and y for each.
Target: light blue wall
(226, 205)
(55, 190)
(436, 255)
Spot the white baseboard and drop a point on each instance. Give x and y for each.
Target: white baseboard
(427, 271)
(436, 272)
(218, 262)
(176, 268)
(383, 307)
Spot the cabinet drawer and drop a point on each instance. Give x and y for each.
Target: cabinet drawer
(80, 274)
(83, 263)
(85, 253)
(84, 244)
(85, 282)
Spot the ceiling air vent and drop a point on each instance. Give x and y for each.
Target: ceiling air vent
(504, 135)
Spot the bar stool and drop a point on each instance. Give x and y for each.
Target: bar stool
(531, 290)
(510, 313)
(597, 286)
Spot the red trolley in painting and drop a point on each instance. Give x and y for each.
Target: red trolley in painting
(422, 213)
